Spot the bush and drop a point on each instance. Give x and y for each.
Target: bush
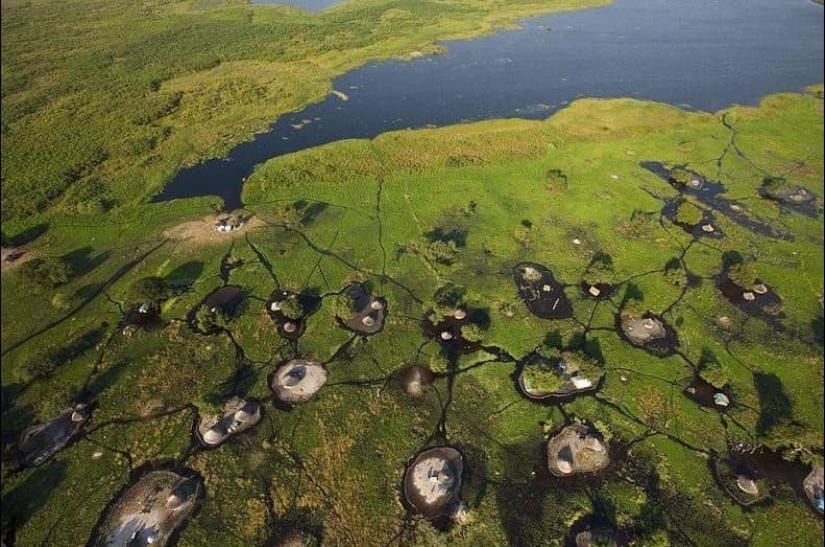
(150, 290)
(680, 175)
(743, 274)
(208, 321)
(292, 309)
(600, 270)
(688, 214)
(46, 273)
(448, 298)
(42, 365)
(542, 377)
(472, 333)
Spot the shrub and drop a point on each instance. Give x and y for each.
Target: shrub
(542, 377)
(600, 270)
(43, 365)
(292, 309)
(472, 333)
(46, 273)
(743, 274)
(448, 298)
(150, 290)
(640, 224)
(714, 373)
(679, 175)
(689, 214)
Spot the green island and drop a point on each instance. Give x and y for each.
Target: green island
(154, 318)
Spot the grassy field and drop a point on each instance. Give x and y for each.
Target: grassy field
(407, 213)
(102, 102)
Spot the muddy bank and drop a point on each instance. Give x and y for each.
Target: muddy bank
(299, 380)
(540, 291)
(238, 416)
(556, 379)
(152, 509)
(758, 300)
(749, 476)
(707, 395)
(648, 332)
(576, 449)
(40, 442)
(290, 310)
(415, 378)
(432, 482)
(369, 311)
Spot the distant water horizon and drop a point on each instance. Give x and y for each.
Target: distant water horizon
(701, 55)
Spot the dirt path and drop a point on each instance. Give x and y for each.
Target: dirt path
(205, 231)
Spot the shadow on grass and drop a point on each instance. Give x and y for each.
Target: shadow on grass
(83, 261)
(29, 234)
(186, 273)
(774, 404)
(30, 495)
(98, 384)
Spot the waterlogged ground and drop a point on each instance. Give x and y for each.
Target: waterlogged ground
(407, 214)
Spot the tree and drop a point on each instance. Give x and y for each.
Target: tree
(291, 308)
(472, 333)
(150, 290)
(46, 273)
(600, 270)
(43, 364)
(208, 321)
(712, 371)
(448, 298)
(743, 273)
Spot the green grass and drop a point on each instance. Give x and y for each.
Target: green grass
(338, 460)
(103, 102)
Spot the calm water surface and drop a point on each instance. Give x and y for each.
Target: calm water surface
(703, 55)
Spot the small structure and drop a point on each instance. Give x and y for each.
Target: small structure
(414, 377)
(815, 489)
(432, 482)
(238, 416)
(760, 288)
(708, 228)
(370, 311)
(40, 442)
(748, 296)
(720, 399)
(576, 449)
(596, 538)
(747, 484)
(298, 380)
(151, 511)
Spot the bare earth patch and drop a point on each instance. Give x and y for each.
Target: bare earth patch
(12, 263)
(205, 231)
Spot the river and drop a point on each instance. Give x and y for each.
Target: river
(698, 55)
